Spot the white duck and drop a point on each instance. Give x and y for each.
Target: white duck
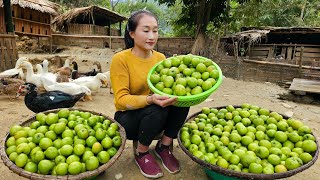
(108, 82)
(92, 82)
(66, 87)
(31, 77)
(45, 72)
(39, 68)
(16, 70)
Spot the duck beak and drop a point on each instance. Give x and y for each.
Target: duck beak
(19, 92)
(88, 97)
(105, 82)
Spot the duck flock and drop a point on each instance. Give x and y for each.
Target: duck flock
(61, 88)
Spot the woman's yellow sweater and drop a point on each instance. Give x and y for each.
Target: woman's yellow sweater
(128, 75)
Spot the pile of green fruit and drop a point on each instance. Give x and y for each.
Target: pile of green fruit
(248, 139)
(68, 142)
(184, 75)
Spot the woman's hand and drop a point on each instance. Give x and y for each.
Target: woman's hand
(162, 101)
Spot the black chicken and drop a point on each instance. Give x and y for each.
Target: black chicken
(48, 100)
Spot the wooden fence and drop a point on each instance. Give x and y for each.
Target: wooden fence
(8, 51)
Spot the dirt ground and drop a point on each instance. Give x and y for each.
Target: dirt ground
(231, 92)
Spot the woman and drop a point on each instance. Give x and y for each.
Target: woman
(142, 114)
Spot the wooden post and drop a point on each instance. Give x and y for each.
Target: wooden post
(300, 62)
(237, 60)
(120, 28)
(93, 22)
(51, 44)
(8, 15)
(109, 26)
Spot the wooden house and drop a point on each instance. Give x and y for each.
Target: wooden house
(274, 54)
(92, 20)
(281, 44)
(31, 17)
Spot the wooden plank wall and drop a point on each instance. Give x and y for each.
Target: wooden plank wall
(31, 22)
(311, 56)
(8, 52)
(2, 23)
(90, 29)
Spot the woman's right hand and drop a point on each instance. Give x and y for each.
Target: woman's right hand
(162, 101)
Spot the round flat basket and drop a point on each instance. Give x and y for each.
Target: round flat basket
(84, 175)
(187, 101)
(216, 172)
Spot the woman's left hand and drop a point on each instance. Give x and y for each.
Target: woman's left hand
(162, 101)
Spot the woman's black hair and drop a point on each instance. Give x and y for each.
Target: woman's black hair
(132, 25)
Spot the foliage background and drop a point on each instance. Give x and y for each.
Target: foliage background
(177, 18)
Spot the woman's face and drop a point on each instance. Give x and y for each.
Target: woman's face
(146, 34)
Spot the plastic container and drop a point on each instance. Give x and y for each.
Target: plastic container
(187, 101)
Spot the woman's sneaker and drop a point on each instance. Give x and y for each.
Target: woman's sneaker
(169, 162)
(148, 166)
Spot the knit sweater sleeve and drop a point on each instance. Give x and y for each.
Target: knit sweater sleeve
(119, 74)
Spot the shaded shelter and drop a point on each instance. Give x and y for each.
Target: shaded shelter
(92, 20)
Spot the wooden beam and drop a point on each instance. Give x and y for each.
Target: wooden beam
(109, 26)
(120, 23)
(300, 62)
(281, 64)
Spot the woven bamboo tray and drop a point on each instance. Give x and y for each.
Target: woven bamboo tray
(242, 175)
(87, 174)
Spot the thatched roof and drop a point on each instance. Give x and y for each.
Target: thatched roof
(255, 34)
(43, 6)
(86, 15)
(252, 35)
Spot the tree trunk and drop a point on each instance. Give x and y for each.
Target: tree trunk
(8, 15)
(200, 45)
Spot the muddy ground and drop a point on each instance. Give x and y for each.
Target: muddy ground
(231, 92)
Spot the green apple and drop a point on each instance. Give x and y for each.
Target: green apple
(282, 125)
(280, 136)
(255, 168)
(246, 140)
(286, 150)
(293, 163)
(232, 146)
(247, 159)
(253, 146)
(265, 143)
(280, 168)
(294, 137)
(262, 152)
(288, 144)
(309, 146)
(267, 170)
(305, 157)
(276, 151)
(222, 163)
(304, 130)
(274, 159)
(234, 159)
(235, 137)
